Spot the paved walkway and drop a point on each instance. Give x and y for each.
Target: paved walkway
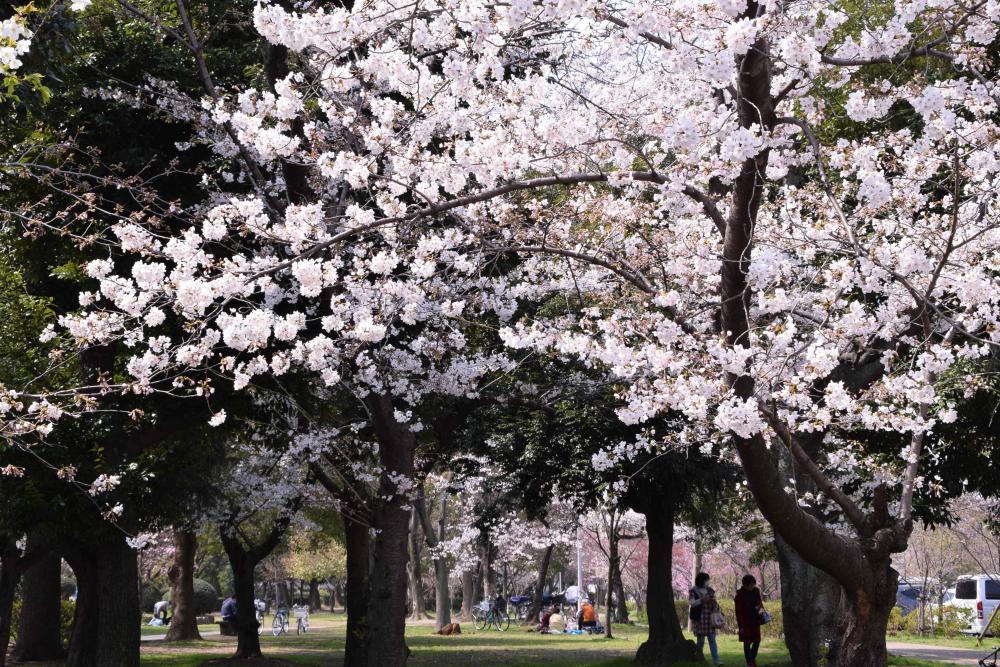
(958, 656)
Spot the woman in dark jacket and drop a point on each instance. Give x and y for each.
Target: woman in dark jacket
(749, 610)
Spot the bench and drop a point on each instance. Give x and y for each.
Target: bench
(227, 629)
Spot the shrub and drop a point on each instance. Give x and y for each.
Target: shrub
(150, 596)
(66, 610)
(206, 599)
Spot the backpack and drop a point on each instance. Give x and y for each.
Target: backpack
(694, 613)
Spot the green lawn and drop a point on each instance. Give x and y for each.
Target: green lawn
(964, 641)
(154, 630)
(325, 643)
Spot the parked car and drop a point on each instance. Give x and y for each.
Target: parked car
(907, 596)
(980, 593)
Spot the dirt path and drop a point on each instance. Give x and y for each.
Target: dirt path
(957, 656)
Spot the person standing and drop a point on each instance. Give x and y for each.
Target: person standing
(703, 606)
(749, 614)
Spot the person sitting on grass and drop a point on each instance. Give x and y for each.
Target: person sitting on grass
(543, 626)
(587, 616)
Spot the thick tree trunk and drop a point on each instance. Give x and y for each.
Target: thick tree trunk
(118, 633)
(184, 622)
(696, 567)
(82, 651)
(315, 601)
(247, 639)
(9, 577)
(486, 559)
(860, 639)
(666, 643)
(810, 599)
(442, 595)
(356, 592)
(41, 600)
(543, 574)
(385, 641)
(468, 593)
(282, 597)
(413, 570)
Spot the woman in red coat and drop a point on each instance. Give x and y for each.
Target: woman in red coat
(749, 609)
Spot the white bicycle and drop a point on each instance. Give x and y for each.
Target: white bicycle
(301, 619)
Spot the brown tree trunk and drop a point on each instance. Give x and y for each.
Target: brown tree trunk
(82, 651)
(315, 601)
(184, 622)
(385, 641)
(696, 567)
(810, 599)
(468, 593)
(860, 639)
(612, 563)
(41, 601)
(247, 638)
(9, 576)
(356, 593)
(413, 570)
(666, 643)
(118, 602)
(282, 597)
(621, 607)
(543, 575)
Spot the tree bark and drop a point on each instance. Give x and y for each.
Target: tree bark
(468, 593)
(82, 651)
(418, 611)
(10, 574)
(315, 601)
(621, 609)
(612, 562)
(118, 603)
(543, 575)
(41, 601)
(810, 599)
(385, 641)
(247, 639)
(184, 622)
(864, 615)
(696, 567)
(356, 593)
(282, 598)
(666, 643)
(442, 573)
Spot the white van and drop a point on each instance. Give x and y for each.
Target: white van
(979, 593)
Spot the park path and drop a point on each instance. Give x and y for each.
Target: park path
(958, 656)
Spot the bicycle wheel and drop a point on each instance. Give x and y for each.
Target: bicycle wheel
(501, 620)
(479, 618)
(302, 626)
(279, 625)
(260, 623)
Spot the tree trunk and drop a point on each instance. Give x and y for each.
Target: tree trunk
(543, 574)
(356, 592)
(809, 603)
(696, 566)
(118, 603)
(486, 559)
(282, 597)
(82, 651)
(442, 596)
(247, 639)
(666, 643)
(612, 562)
(468, 593)
(9, 576)
(315, 602)
(184, 622)
(418, 611)
(860, 639)
(41, 601)
(621, 607)
(385, 641)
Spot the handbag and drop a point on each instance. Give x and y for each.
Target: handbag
(718, 620)
(694, 613)
(765, 617)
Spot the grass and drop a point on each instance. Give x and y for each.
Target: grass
(324, 645)
(964, 641)
(147, 630)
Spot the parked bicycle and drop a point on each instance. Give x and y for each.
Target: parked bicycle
(279, 624)
(992, 659)
(301, 619)
(487, 614)
(259, 607)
